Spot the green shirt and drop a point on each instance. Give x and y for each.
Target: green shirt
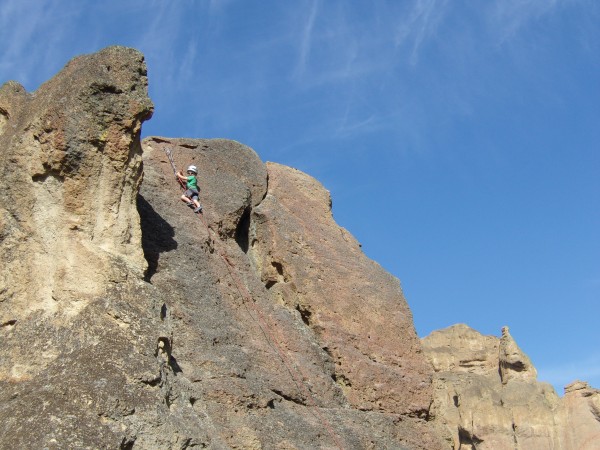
(192, 183)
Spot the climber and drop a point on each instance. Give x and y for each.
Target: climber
(190, 196)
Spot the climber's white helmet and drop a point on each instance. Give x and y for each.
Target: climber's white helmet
(193, 169)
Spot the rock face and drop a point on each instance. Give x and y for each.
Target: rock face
(297, 335)
(127, 321)
(70, 171)
(353, 306)
(487, 397)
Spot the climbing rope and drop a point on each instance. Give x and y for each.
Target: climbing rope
(262, 321)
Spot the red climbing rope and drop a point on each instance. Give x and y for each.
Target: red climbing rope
(262, 321)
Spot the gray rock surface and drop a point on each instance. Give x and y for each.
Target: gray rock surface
(270, 338)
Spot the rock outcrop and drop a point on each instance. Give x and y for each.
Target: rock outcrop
(487, 397)
(354, 307)
(127, 321)
(70, 165)
(313, 349)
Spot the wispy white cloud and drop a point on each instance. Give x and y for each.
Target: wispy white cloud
(162, 30)
(587, 369)
(420, 25)
(361, 126)
(17, 37)
(188, 64)
(508, 17)
(332, 47)
(161, 44)
(35, 38)
(306, 39)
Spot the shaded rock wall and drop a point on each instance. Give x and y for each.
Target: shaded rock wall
(487, 397)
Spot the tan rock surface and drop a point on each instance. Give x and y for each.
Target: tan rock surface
(71, 168)
(580, 412)
(79, 327)
(487, 396)
(461, 349)
(514, 364)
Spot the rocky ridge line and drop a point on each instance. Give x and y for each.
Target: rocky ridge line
(486, 396)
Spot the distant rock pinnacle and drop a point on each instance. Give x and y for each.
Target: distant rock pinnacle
(487, 397)
(513, 362)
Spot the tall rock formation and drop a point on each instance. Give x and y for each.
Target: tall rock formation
(487, 397)
(354, 307)
(70, 165)
(259, 324)
(279, 315)
(127, 321)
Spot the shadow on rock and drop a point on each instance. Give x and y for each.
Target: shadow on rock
(157, 236)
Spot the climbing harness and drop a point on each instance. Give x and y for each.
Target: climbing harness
(262, 321)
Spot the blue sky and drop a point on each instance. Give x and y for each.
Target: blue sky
(460, 140)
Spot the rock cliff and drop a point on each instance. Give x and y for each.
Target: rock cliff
(127, 321)
(487, 397)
